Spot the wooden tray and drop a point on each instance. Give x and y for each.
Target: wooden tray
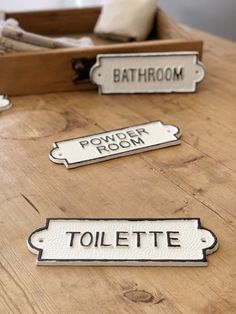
(67, 69)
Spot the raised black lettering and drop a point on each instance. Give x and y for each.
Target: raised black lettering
(178, 74)
(155, 233)
(170, 238)
(159, 74)
(116, 75)
(84, 143)
(103, 240)
(96, 141)
(84, 236)
(132, 74)
(113, 146)
(102, 148)
(138, 233)
(119, 238)
(108, 138)
(125, 144)
(142, 75)
(137, 141)
(125, 76)
(121, 136)
(132, 133)
(96, 239)
(151, 75)
(141, 130)
(72, 233)
(168, 74)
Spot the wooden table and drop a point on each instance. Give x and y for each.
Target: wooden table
(194, 179)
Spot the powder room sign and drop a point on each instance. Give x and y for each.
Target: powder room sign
(147, 72)
(123, 242)
(117, 143)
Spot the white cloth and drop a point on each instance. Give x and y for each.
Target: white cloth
(126, 20)
(9, 22)
(77, 42)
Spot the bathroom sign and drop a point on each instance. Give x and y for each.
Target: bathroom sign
(117, 143)
(164, 72)
(122, 242)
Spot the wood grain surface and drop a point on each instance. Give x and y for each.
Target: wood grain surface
(194, 179)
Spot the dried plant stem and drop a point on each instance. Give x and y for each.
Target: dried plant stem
(8, 44)
(20, 35)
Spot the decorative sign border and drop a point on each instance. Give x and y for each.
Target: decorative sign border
(96, 78)
(58, 156)
(123, 262)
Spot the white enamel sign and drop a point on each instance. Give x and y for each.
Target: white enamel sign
(5, 103)
(147, 72)
(124, 242)
(103, 146)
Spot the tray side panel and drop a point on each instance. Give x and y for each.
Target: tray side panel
(52, 71)
(57, 22)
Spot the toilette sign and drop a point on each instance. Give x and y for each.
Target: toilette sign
(113, 144)
(124, 242)
(147, 72)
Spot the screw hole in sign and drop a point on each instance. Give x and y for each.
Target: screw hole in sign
(203, 240)
(41, 240)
